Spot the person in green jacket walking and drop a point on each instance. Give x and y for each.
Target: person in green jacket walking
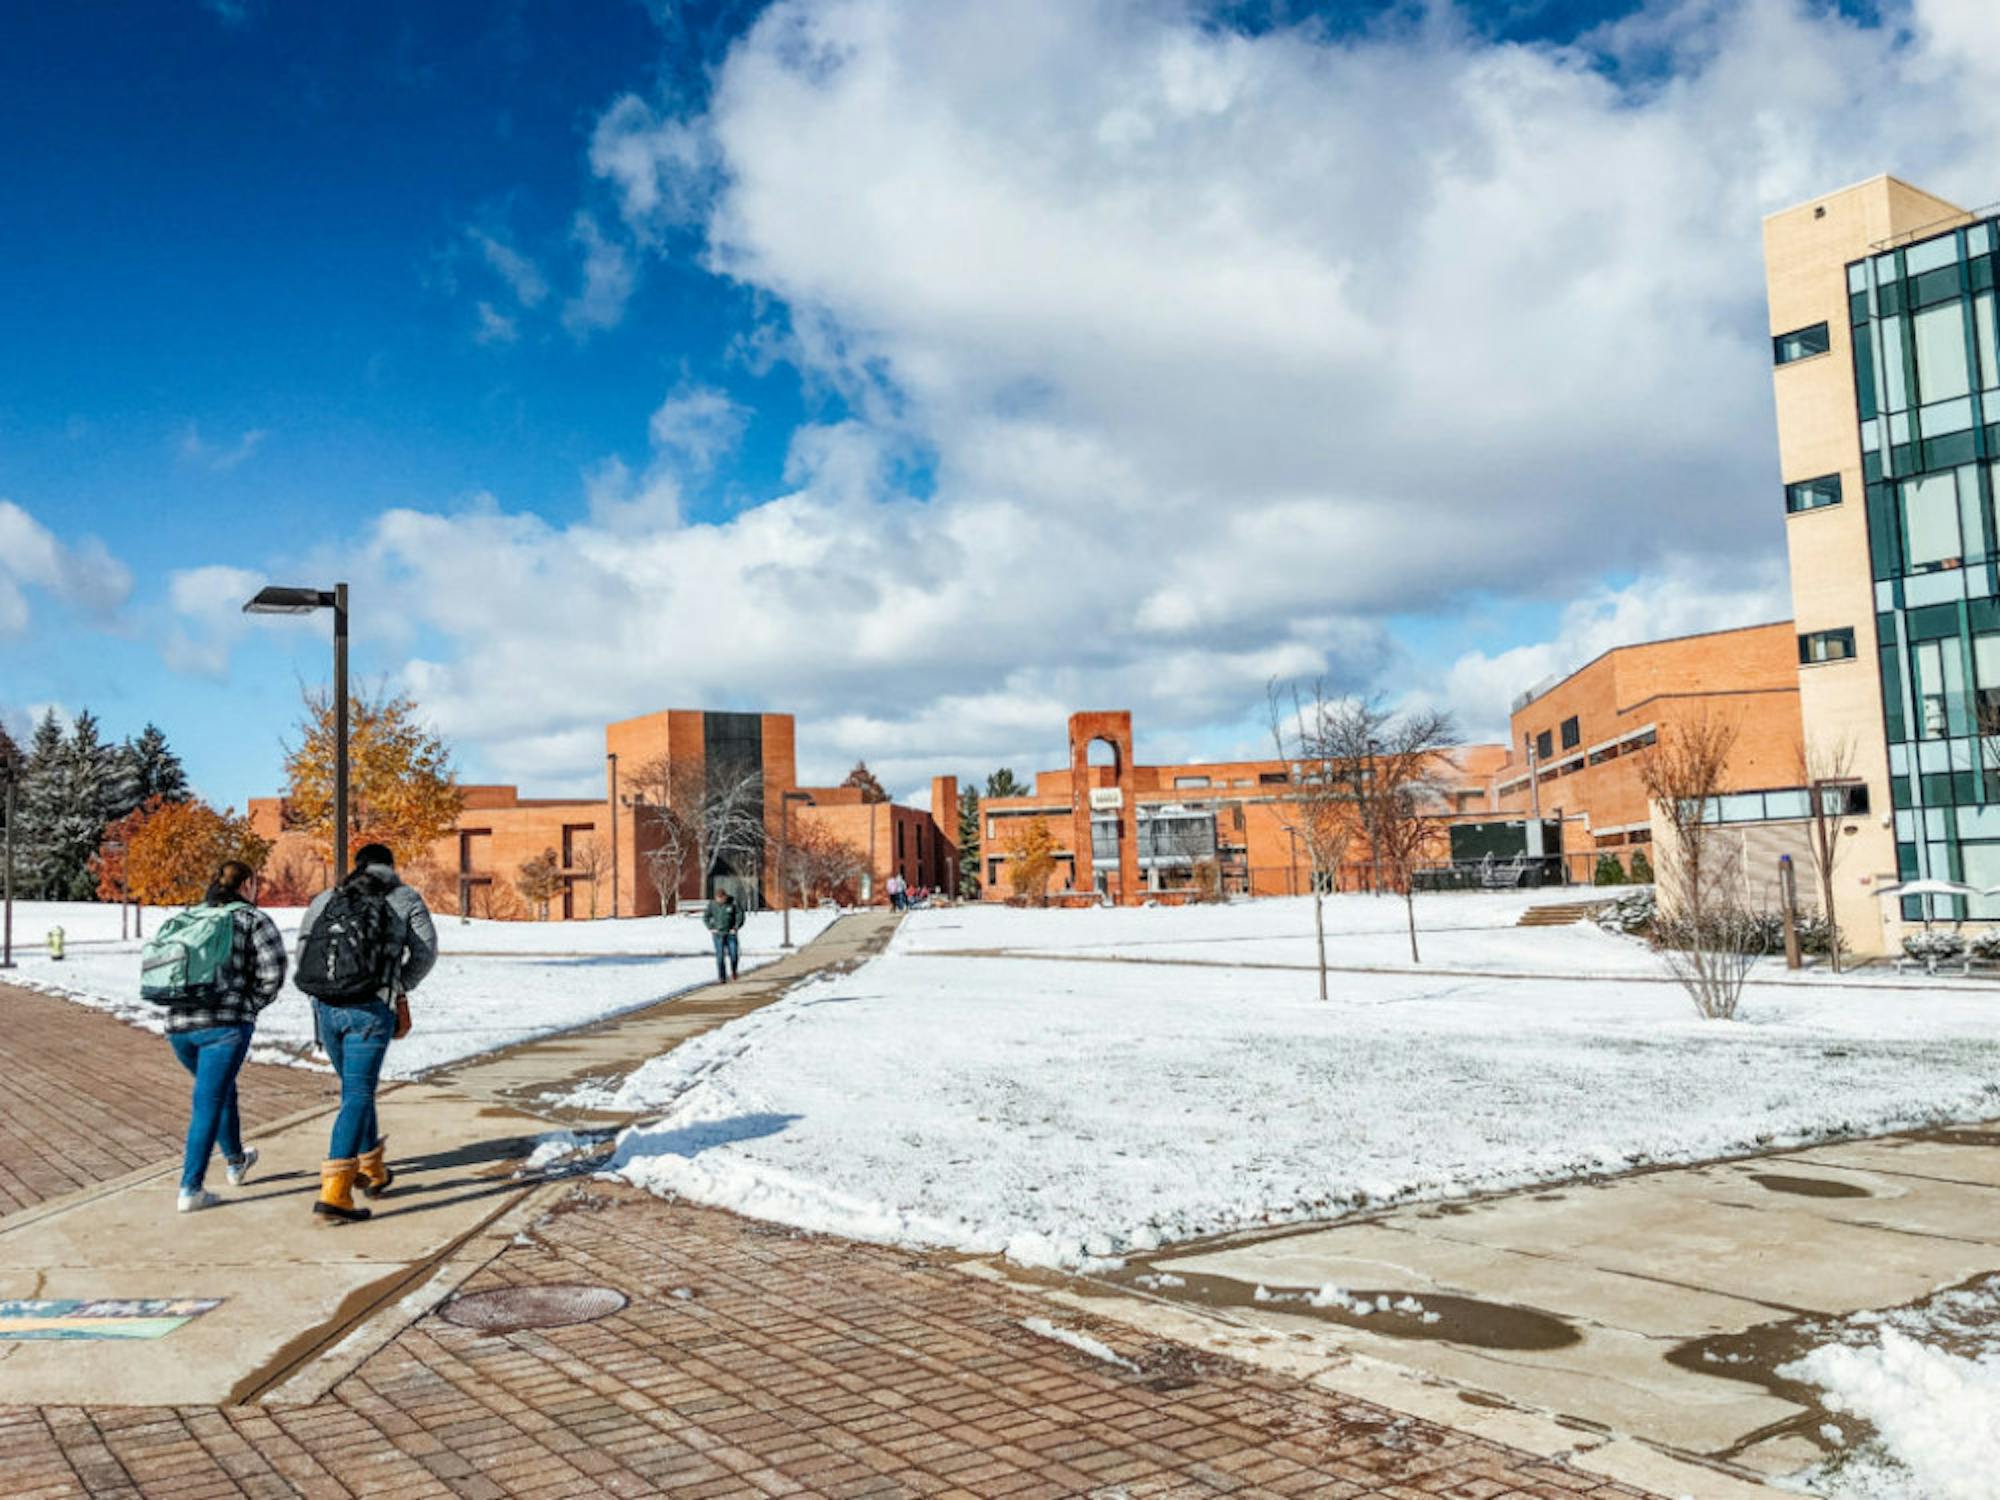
(724, 919)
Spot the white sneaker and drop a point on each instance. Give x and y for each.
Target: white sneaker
(198, 1199)
(239, 1171)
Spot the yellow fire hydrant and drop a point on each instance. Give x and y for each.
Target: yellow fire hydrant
(56, 944)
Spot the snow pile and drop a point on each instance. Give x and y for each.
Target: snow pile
(1936, 1417)
(1070, 1113)
(1083, 1343)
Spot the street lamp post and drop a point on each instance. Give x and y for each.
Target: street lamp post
(7, 900)
(285, 601)
(612, 757)
(785, 802)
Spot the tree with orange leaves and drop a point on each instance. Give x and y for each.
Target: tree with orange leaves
(402, 788)
(177, 848)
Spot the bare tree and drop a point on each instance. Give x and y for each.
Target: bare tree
(693, 823)
(665, 793)
(588, 860)
(1400, 780)
(1319, 810)
(1827, 771)
(1708, 937)
(539, 881)
(818, 863)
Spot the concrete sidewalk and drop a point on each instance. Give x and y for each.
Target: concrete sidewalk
(1653, 1309)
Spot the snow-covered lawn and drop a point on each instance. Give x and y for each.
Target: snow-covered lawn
(1065, 1110)
(496, 982)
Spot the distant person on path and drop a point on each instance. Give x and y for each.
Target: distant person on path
(363, 946)
(724, 919)
(216, 966)
(898, 892)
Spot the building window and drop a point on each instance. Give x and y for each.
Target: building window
(1812, 494)
(1271, 778)
(1191, 781)
(1572, 734)
(1545, 745)
(1827, 645)
(1802, 343)
(1930, 524)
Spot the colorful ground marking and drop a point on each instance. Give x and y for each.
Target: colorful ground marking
(69, 1318)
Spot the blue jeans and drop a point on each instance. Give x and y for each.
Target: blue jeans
(727, 954)
(356, 1038)
(214, 1055)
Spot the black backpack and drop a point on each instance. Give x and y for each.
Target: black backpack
(347, 957)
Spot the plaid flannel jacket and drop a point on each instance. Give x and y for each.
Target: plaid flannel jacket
(248, 982)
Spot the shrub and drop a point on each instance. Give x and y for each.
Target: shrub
(1609, 870)
(1934, 947)
(1642, 868)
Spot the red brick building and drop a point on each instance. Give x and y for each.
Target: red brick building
(604, 844)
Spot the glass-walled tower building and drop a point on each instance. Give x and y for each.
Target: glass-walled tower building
(1888, 407)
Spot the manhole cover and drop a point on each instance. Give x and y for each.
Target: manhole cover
(509, 1309)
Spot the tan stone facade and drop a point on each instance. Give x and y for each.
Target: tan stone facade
(1808, 252)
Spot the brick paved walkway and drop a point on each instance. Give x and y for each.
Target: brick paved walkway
(751, 1361)
(85, 1098)
(794, 1366)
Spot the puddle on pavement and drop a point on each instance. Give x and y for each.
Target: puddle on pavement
(1435, 1317)
(1961, 1137)
(1755, 1355)
(1809, 1187)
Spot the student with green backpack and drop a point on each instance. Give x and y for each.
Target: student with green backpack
(214, 966)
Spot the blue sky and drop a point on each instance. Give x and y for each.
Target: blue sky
(805, 356)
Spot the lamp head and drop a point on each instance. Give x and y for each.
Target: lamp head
(273, 600)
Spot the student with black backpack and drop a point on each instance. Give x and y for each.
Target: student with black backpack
(214, 966)
(363, 946)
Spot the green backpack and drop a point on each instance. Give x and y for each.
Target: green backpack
(183, 961)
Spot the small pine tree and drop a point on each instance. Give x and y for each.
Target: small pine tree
(154, 769)
(1642, 868)
(862, 777)
(10, 754)
(1609, 870)
(1004, 783)
(968, 843)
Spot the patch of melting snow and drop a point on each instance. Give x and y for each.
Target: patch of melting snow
(1083, 1343)
(1329, 1295)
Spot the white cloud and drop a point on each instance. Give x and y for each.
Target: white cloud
(207, 604)
(81, 574)
(1215, 353)
(608, 280)
(700, 424)
(220, 458)
(522, 276)
(494, 327)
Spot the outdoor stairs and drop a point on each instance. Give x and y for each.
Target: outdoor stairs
(1559, 914)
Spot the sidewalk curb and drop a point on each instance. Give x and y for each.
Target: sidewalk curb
(306, 1378)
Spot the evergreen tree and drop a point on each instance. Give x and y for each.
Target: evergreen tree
(862, 777)
(10, 755)
(35, 805)
(153, 770)
(1003, 783)
(72, 787)
(968, 842)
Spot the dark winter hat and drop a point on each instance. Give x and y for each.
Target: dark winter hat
(374, 854)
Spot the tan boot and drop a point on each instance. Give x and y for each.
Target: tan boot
(336, 1192)
(372, 1174)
